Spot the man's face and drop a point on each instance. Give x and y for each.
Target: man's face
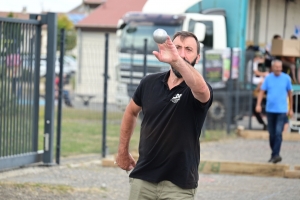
(187, 50)
(277, 68)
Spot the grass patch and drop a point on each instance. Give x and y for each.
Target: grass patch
(81, 132)
(215, 135)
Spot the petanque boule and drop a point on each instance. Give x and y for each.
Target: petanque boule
(160, 35)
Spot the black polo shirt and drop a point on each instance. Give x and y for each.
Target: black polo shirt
(169, 147)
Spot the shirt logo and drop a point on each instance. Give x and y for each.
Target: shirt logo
(176, 98)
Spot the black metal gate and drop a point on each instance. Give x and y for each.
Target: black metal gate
(20, 49)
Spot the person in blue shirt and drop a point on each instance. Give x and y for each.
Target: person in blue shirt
(278, 86)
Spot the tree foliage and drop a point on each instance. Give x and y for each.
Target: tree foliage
(70, 32)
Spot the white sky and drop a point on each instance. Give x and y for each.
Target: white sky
(37, 6)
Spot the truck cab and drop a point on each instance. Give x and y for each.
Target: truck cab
(135, 27)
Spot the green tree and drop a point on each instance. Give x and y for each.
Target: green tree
(70, 32)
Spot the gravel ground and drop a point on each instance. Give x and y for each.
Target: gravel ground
(249, 151)
(84, 178)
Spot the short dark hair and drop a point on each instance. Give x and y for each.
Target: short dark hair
(294, 37)
(185, 34)
(276, 36)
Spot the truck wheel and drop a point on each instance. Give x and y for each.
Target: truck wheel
(216, 115)
(217, 111)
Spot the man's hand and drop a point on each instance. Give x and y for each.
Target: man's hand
(167, 52)
(290, 113)
(258, 108)
(125, 161)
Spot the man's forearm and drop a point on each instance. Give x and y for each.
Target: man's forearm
(290, 100)
(259, 97)
(192, 78)
(127, 127)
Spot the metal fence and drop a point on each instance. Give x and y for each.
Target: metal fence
(102, 87)
(20, 46)
(226, 71)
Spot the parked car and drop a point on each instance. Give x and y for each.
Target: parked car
(70, 66)
(43, 68)
(72, 63)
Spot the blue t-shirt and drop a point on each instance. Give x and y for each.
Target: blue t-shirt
(277, 88)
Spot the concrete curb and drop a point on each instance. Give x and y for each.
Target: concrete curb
(292, 174)
(238, 168)
(253, 134)
(243, 168)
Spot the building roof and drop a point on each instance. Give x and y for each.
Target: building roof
(108, 14)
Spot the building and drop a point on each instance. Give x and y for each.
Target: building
(269, 17)
(91, 47)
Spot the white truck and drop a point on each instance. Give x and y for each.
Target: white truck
(172, 16)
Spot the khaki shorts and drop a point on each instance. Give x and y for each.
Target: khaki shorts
(140, 190)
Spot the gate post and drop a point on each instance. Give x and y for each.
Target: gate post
(104, 147)
(49, 95)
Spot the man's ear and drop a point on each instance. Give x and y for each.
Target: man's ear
(198, 58)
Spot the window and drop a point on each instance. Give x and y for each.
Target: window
(133, 37)
(209, 34)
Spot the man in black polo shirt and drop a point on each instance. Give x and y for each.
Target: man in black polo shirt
(174, 105)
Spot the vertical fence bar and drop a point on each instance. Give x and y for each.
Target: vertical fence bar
(8, 82)
(16, 72)
(18, 77)
(251, 103)
(9, 86)
(18, 112)
(237, 91)
(29, 82)
(229, 94)
(145, 56)
(104, 148)
(49, 96)
(22, 102)
(25, 99)
(27, 96)
(1, 85)
(12, 90)
(60, 94)
(37, 58)
(4, 68)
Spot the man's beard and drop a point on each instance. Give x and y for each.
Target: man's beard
(177, 74)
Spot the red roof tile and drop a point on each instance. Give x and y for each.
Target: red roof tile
(108, 14)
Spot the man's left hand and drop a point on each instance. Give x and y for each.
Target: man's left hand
(167, 52)
(290, 113)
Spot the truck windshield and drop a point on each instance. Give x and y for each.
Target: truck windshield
(133, 37)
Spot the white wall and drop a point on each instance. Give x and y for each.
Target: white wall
(274, 23)
(44, 41)
(90, 80)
